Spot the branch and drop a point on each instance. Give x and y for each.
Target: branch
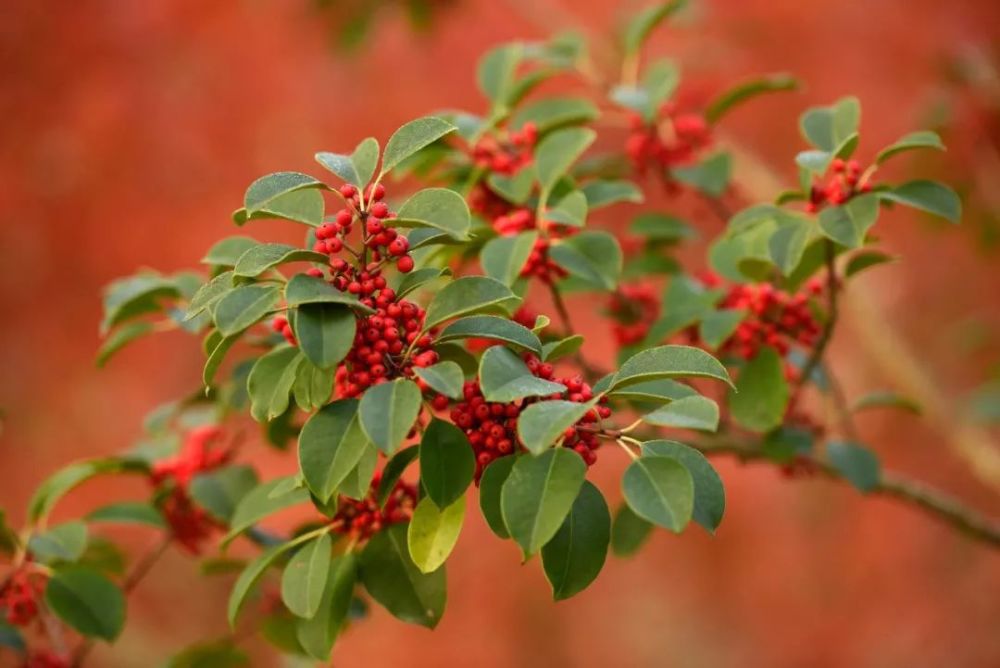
(592, 374)
(946, 508)
(831, 319)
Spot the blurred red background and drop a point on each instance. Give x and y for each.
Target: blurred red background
(129, 131)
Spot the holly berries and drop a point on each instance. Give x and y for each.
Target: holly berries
(673, 139)
(20, 595)
(634, 308)
(282, 326)
(506, 156)
(361, 518)
(492, 427)
(846, 182)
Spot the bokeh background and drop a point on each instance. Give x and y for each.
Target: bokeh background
(129, 130)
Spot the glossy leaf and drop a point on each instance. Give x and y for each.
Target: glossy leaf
(930, 196)
(491, 327)
(304, 578)
(330, 445)
(412, 137)
(466, 296)
(709, 493)
(848, 223)
(576, 554)
(244, 306)
(490, 489)
(357, 168)
(317, 635)
(629, 532)
(504, 377)
(447, 462)
(595, 257)
(392, 579)
(304, 289)
(270, 382)
(262, 501)
(541, 424)
(444, 378)
(538, 494)
(437, 208)
(910, 142)
(694, 412)
(856, 463)
(262, 257)
(393, 471)
(220, 491)
(669, 362)
(660, 490)
(87, 601)
(324, 333)
(503, 258)
(762, 392)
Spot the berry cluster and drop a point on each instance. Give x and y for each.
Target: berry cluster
(190, 525)
(20, 594)
(674, 139)
(382, 343)
(383, 241)
(506, 157)
(774, 317)
(362, 518)
(846, 182)
(46, 659)
(492, 427)
(634, 308)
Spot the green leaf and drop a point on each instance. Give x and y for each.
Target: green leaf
(576, 554)
(659, 83)
(661, 227)
(848, 223)
(218, 654)
(788, 242)
(466, 296)
(357, 168)
(304, 289)
(433, 532)
(669, 362)
(262, 257)
(593, 256)
(639, 28)
(137, 295)
(220, 491)
(553, 112)
(216, 357)
(128, 512)
(930, 196)
(437, 208)
(557, 151)
(570, 210)
(886, 399)
(444, 378)
(244, 306)
(515, 188)
(503, 258)
(717, 326)
(419, 278)
(304, 579)
(628, 532)
(262, 501)
(121, 338)
(747, 90)
(541, 424)
(313, 386)
(504, 377)
(490, 489)
(694, 412)
(659, 391)
(555, 350)
(826, 128)
(392, 579)
(63, 481)
(388, 412)
(330, 446)
(317, 635)
(209, 294)
(270, 382)
(226, 252)
(357, 484)
(325, 333)
(709, 493)
(762, 392)
(864, 260)
(660, 490)
(910, 142)
(856, 463)
(711, 176)
(447, 462)
(496, 70)
(491, 327)
(289, 195)
(87, 601)
(65, 542)
(252, 574)
(538, 495)
(600, 193)
(412, 137)
(393, 471)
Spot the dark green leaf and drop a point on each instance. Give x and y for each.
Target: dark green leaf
(304, 578)
(595, 257)
(694, 412)
(419, 278)
(121, 338)
(304, 289)
(542, 424)
(930, 196)
(270, 382)
(357, 484)
(856, 463)
(709, 494)
(576, 554)
(220, 491)
(747, 90)
(490, 489)
(491, 327)
(209, 294)
(317, 635)
(357, 168)
(313, 386)
(910, 142)
(466, 296)
(412, 137)
(137, 295)
(392, 579)
(289, 195)
(444, 378)
(64, 480)
(219, 654)
(553, 112)
(503, 258)
(128, 512)
(447, 462)
(864, 260)
(252, 574)
(717, 326)
(504, 377)
(65, 542)
(244, 306)
(557, 151)
(600, 193)
(325, 333)
(639, 28)
(848, 223)
(555, 350)
(628, 532)
(393, 471)
(262, 501)
(437, 208)
(669, 362)
(711, 176)
(226, 252)
(262, 257)
(762, 393)
(826, 128)
(538, 495)
(87, 601)
(330, 446)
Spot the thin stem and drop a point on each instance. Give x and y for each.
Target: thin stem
(627, 449)
(831, 319)
(590, 372)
